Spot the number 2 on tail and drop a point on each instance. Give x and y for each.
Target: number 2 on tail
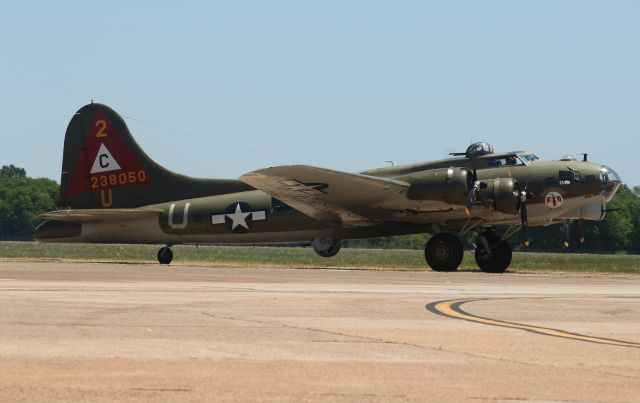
(102, 128)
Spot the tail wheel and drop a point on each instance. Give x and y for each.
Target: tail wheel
(444, 252)
(497, 259)
(165, 255)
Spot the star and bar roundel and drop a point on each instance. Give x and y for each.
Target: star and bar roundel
(239, 217)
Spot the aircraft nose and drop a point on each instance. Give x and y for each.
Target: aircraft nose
(609, 182)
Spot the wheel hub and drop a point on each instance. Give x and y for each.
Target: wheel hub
(442, 252)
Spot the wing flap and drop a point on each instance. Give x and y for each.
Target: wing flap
(95, 215)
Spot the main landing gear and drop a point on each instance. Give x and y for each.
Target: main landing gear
(326, 247)
(494, 254)
(444, 252)
(165, 255)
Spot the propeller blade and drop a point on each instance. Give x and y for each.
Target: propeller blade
(567, 230)
(525, 224)
(524, 218)
(581, 228)
(470, 199)
(471, 196)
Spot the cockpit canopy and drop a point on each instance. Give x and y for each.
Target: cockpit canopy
(484, 151)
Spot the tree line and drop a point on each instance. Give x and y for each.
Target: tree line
(23, 199)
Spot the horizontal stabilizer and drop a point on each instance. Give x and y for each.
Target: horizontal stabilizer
(94, 215)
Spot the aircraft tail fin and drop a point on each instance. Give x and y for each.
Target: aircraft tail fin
(104, 167)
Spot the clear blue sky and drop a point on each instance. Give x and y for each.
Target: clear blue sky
(338, 84)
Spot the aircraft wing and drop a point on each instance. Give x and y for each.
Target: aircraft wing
(94, 215)
(328, 195)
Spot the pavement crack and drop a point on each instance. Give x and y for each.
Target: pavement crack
(368, 339)
(160, 390)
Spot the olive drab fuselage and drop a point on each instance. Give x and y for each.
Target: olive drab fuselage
(111, 191)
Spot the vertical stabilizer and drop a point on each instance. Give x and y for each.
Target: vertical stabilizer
(103, 167)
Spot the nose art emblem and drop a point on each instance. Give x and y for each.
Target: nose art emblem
(553, 200)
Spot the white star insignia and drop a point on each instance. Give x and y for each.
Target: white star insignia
(239, 218)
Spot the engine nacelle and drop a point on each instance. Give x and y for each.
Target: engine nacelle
(449, 185)
(500, 194)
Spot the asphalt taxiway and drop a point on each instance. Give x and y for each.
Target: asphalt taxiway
(105, 331)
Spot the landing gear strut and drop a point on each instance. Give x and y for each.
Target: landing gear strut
(165, 255)
(444, 252)
(326, 247)
(494, 254)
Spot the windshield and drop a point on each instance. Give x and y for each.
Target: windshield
(528, 158)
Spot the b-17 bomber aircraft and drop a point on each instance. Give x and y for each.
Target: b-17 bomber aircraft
(112, 192)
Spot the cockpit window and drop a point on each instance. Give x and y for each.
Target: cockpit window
(529, 158)
(565, 177)
(510, 160)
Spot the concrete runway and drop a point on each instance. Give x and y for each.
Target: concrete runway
(102, 331)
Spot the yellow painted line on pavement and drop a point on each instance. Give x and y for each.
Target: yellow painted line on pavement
(452, 309)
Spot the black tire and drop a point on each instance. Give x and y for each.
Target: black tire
(332, 251)
(444, 252)
(165, 255)
(498, 260)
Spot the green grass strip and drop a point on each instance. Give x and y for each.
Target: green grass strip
(395, 259)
